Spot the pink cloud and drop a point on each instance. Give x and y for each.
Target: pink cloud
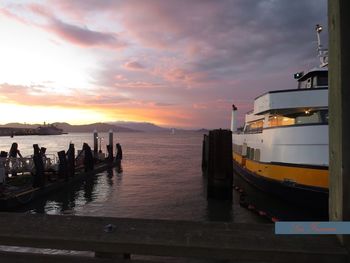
(78, 35)
(133, 65)
(83, 36)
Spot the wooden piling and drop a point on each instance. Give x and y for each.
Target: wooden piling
(95, 143)
(220, 165)
(110, 146)
(339, 108)
(62, 167)
(71, 160)
(205, 154)
(39, 179)
(88, 158)
(119, 157)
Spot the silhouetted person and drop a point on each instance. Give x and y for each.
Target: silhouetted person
(13, 154)
(14, 151)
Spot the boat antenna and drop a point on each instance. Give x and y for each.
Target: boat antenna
(322, 52)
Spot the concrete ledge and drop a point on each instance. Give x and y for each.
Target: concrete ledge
(236, 241)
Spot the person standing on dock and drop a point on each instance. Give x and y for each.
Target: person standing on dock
(14, 151)
(12, 155)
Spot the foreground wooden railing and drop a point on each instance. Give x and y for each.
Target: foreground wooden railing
(112, 236)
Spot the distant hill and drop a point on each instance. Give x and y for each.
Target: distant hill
(66, 127)
(20, 125)
(100, 127)
(140, 126)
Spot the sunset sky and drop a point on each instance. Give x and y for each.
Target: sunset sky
(174, 63)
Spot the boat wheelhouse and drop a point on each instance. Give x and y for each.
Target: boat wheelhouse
(283, 146)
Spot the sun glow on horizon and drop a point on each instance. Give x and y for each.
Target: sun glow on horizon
(40, 114)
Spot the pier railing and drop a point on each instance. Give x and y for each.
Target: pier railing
(26, 164)
(109, 237)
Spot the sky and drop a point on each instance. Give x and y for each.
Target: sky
(176, 63)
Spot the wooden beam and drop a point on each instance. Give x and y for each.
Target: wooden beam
(339, 109)
(235, 241)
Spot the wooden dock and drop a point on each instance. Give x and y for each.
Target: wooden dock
(239, 242)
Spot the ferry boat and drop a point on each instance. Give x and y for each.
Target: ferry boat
(283, 147)
(49, 129)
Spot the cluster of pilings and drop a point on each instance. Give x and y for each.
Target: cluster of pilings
(217, 164)
(68, 162)
(97, 153)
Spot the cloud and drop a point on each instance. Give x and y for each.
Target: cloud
(193, 54)
(46, 19)
(84, 36)
(134, 65)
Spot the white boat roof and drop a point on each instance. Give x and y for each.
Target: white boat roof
(289, 99)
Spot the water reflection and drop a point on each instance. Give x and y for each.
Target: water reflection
(74, 195)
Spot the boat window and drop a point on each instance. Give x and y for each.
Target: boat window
(279, 120)
(257, 155)
(322, 81)
(299, 118)
(237, 148)
(244, 149)
(308, 117)
(251, 153)
(253, 127)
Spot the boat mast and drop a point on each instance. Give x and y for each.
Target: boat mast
(322, 52)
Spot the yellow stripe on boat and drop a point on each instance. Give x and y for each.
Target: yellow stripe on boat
(299, 175)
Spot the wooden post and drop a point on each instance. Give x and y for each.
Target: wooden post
(205, 153)
(119, 157)
(110, 148)
(39, 179)
(95, 143)
(220, 170)
(88, 158)
(71, 160)
(62, 167)
(339, 109)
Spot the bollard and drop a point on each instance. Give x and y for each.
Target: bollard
(39, 167)
(95, 143)
(71, 160)
(62, 167)
(220, 165)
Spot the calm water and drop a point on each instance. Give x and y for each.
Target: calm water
(162, 179)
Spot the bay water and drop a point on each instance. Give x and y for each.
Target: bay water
(161, 179)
